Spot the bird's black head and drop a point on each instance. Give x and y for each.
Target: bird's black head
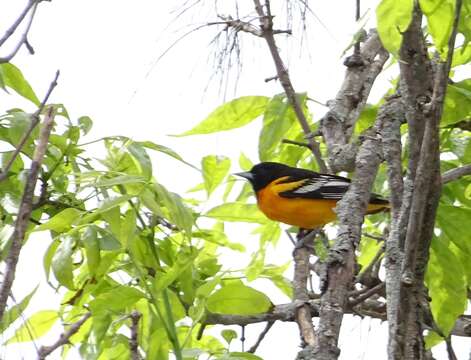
(264, 173)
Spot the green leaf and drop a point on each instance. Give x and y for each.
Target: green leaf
(107, 239)
(219, 238)
(207, 288)
(14, 79)
(128, 228)
(393, 17)
(92, 249)
(454, 223)
(278, 118)
(432, 339)
(457, 105)
(47, 259)
(244, 162)
(256, 265)
(141, 159)
(34, 327)
(62, 266)
(462, 55)
(177, 309)
(448, 293)
(85, 124)
(60, 222)
(366, 119)
(215, 169)
(178, 214)
(270, 231)
(165, 150)
(228, 335)
(238, 299)
(15, 311)
(104, 206)
(115, 300)
(120, 180)
(230, 182)
(237, 212)
(231, 115)
(440, 15)
(368, 249)
(275, 274)
(183, 261)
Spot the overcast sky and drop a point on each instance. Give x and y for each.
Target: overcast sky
(109, 55)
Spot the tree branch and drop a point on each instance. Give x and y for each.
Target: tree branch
(287, 313)
(32, 4)
(25, 210)
(134, 340)
(64, 338)
(367, 294)
(261, 337)
(338, 123)
(301, 275)
(341, 261)
(266, 24)
(423, 96)
(27, 134)
(455, 174)
(9, 32)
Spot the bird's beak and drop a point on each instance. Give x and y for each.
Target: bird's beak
(246, 174)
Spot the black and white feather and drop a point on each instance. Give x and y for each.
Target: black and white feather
(318, 186)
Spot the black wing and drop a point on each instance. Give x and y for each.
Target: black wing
(317, 186)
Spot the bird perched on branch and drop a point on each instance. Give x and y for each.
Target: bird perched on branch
(301, 197)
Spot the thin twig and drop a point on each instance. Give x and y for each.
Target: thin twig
(449, 349)
(35, 121)
(9, 32)
(297, 143)
(371, 236)
(134, 340)
(25, 210)
(373, 262)
(64, 338)
(261, 337)
(290, 237)
(370, 292)
(266, 24)
(24, 37)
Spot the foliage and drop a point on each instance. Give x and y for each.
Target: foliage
(121, 241)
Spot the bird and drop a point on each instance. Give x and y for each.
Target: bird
(301, 197)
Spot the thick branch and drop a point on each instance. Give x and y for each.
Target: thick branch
(24, 212)
(64, 338)
(424, 105)
(341, 262)
(287, 313)
(338, 123)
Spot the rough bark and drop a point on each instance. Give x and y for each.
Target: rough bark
(338, 123)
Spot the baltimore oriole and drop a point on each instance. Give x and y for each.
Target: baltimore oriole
(301, 197)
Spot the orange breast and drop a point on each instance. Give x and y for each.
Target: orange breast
(301, 212)
(305, 213)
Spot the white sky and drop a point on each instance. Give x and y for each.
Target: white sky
(107, 51)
